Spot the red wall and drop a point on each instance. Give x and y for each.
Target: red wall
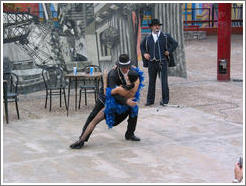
(23, 7)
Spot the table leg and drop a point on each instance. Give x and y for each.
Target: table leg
(97, 87)
(5, 101)
(68, 96)
(76, 84)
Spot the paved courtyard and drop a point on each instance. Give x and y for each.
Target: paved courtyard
(197, 142)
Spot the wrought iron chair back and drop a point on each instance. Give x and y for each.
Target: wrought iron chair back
(12, 81)
(55, 83)
(53, 77)
(91, 84)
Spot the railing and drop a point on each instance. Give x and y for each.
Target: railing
(37, 14)
(239, 22)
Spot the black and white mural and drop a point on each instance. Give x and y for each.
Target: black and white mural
(36, 35)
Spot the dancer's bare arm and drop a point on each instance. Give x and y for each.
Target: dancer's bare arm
(120, 90)
(126, 93)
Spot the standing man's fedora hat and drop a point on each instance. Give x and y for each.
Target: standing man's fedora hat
(154, 22)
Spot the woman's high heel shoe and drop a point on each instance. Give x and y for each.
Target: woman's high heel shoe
(77, 145)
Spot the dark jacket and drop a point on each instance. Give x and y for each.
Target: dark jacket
(166, 43)
(115, 78)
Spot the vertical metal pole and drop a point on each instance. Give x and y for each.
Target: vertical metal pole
(45, 12)
(213, 15)
(224, 42)
(193, 12)
(186, 14)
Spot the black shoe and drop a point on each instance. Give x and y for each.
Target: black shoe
(163, 104)
(77, 145)
(148, 104)
(132, 138)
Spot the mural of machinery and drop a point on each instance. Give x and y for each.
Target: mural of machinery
(37, 35)
(23, 29)
(34, 39)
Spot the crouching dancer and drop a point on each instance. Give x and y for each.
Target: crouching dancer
(122, 89)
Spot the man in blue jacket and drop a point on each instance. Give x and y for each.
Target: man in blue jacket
(157, 49)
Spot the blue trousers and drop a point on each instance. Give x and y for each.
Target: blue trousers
(153, 69)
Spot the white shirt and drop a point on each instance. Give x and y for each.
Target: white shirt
(125, 76)
(155, 36)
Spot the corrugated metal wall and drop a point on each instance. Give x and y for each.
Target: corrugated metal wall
(170, 15)
(123, 46)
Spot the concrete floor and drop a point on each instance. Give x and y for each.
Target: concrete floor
(199, 142)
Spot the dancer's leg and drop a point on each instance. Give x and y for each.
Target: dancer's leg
(99, 117)
(98, 106)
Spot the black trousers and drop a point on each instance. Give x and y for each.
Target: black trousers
(153, 69)
(132, 122)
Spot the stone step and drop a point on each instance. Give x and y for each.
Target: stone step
(30, 80)
(29, 88)
(22, 65)
(190, 35)
(28, 73)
